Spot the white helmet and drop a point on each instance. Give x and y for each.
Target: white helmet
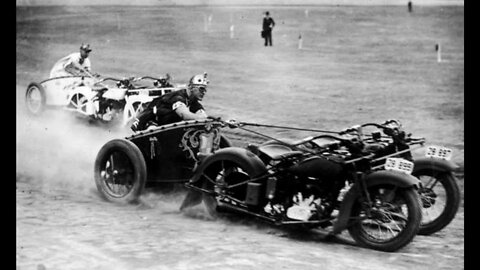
(199, 80)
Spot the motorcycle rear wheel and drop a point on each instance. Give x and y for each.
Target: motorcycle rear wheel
(391, 222)
(440, 196)
(220, 175)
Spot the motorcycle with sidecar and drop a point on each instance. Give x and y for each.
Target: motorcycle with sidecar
(334, 189)
(103, 99)
(438, 190)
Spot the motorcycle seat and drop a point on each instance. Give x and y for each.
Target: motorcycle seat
(278, 151)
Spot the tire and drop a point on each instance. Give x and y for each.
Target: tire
(398, 206)
(120, 171)
(228, 172)
(440, 199)
(35, 99)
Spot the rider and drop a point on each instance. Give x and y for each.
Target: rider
(74, 64)
(175, 106)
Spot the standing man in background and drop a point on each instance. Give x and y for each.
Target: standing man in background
(268, 24)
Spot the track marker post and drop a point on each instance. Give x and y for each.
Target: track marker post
(232, 28)
(300, 41)
(119, 24)
(205, 23)
(438, 48)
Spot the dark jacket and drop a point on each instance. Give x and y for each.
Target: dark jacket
(164, 106)
(268, 23)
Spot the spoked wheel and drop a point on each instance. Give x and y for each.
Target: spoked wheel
(120, 171)
(440, 197)
(131, 112)
(226, 177)
(35, 99)
(390, 222)
(79, 102)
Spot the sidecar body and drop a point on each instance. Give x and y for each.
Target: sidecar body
(166, 154)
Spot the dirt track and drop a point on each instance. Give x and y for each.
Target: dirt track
(62, 223)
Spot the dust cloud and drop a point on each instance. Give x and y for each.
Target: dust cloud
(58, 150)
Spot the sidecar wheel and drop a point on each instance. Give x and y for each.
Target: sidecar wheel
(35, 99)
(78, 102)
(130, 113)
(440, 197)
(120, 171)
(391, 223)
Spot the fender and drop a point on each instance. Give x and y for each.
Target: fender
(236, 154)
(434, 164)
(402, 180)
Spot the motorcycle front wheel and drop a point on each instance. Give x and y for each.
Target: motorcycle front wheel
(440, 197)
(390, 222)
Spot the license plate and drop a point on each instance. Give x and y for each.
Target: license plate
(438, 152)
(399, 165)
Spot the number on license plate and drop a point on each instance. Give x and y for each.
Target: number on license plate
(399, 165)
(438, 152)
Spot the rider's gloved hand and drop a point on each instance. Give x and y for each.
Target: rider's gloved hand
(214, 118)
(135, 126)
(232, 123)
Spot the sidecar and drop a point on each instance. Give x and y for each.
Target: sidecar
(165, 154)
(55, 92)
(76, 93)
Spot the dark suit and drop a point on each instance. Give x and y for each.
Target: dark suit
(268, 24)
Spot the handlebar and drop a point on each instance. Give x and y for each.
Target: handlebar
(326, 136)
(147, 77)
(109, 79)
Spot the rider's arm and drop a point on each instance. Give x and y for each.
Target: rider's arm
(73, 66)
(70, 67)
(182, 110)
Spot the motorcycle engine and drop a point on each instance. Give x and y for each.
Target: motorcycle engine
(299, 207)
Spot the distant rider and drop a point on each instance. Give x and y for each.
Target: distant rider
(175, 106)
(74, 64)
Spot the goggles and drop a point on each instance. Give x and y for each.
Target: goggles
(202, 89)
